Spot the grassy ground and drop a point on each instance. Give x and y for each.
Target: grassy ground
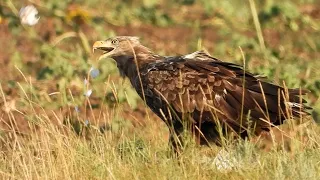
(51, 130)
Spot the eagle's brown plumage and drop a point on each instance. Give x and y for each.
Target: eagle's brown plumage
(203, 91)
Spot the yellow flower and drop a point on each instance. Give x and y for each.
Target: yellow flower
(77, 15)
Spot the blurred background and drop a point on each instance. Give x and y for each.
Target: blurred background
(48, 70)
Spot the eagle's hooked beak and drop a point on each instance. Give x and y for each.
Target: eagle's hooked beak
(105, 46)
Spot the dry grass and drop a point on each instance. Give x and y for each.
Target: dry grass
(55, 151)
(43, 68)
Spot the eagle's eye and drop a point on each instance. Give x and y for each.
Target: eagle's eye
(115, 41)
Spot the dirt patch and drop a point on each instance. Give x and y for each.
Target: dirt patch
(6, 44)
(170, 40)
(311, 10)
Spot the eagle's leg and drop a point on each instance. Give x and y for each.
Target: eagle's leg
(175, 137)
(209, 133)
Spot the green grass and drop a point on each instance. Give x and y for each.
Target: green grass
(111, 135)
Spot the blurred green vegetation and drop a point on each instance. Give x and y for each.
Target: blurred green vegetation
(44, 67)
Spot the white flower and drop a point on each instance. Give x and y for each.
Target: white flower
(86, 122)
(88, 93)
(224, 161)
(85, 82)
(29, 15)
(94, 72)
(77, 109)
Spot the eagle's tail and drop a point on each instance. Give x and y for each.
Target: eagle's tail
(296, 103)
(278, 103)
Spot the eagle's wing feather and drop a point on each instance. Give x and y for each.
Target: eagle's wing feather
(201, 86)
(193, 85)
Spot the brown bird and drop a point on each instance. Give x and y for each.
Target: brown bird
(214, 98)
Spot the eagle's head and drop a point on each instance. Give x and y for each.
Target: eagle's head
(120, 46)
(128, 53)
